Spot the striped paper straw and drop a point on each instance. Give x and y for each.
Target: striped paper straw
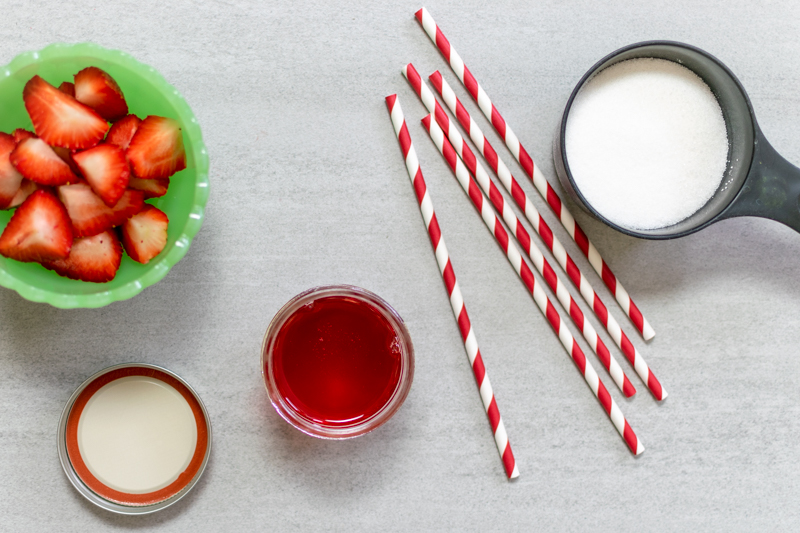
(532, 214)
(533, 252)
(523, 238)
(454, 292)
(533, 172)
(539, 296)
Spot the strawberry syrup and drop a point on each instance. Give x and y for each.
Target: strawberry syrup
(337, 361)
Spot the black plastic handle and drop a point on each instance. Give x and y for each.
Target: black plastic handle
(771, 190)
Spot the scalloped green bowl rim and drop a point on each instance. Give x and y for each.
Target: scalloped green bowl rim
(79, 294)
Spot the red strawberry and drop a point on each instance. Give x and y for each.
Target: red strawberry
(98, 90)
(66, 156)
(10, 178)
(38, 162)
(20, 134)
(59, 119)
(40, 230)
(156, 150)
(144, 235)
(26, 188)
(106, 170)
(95, 259)
(150, 188)
(122, 131)
(90, 215)
(67, 87)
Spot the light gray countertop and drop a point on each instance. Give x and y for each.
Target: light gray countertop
(308, 187)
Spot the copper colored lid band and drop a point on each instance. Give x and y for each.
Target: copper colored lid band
(124, 498)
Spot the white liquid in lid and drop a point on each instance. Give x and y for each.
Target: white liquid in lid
(137, 434)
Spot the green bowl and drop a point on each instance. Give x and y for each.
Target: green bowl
(147, 93)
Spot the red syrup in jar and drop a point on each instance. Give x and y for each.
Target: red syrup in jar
(337, 361)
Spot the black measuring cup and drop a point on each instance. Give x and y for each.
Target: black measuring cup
(757, 181)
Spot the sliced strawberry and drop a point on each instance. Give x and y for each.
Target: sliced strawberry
(95, 259)
(122, 131)
(20, 134)
(66, 156)
(106, 170)
(59, 119)
(90, 215)
(26, 188)
(38, 162)
(144, 235)
(67, 87)
(131, 203)
(10, 178)
(95, 88)
(156, 150)
(40, 230)
(150, 188)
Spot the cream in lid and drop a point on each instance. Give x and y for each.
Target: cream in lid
(137, 434)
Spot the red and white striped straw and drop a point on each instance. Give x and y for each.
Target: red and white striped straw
(531, 213)
(529, 247)
(533, 172)
(453, 291)
(539, 296)
(510, 218)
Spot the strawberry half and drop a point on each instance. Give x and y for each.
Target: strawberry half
(66, 156)
(106, 170)
(38, 162)
(156, 150)
(150, 188)
(10, 178)
(122, 131)
(144, 235)
(59, 119)
(90, 215)
(95, 88)
(95, 259)
(26, 188)
(67, 87)
(39, 231)
(20, 134)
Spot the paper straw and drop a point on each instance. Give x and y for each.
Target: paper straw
(543, 266)
(531, 213)
(523, 238)
(454, 292)
(539, 296)
(533, 172)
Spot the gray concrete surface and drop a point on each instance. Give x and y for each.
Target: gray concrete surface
(308, 188)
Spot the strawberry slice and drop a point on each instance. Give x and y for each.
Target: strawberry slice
(106, 170)
(67, 87)
(150, 188)
(90, 215)
(66, 156)
(156, 150)
(122, 131)
(38, 162)
(144, 235)
(26, 188)
(95, 88)
(59, 119)
(39, 231)
(10, 178)
(95, 259)
(20, 134)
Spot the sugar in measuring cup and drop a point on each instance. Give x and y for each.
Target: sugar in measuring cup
(756, 180)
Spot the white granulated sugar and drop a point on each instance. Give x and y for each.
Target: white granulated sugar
(646, 143)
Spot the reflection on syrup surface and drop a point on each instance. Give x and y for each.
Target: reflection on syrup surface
(337, 361)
